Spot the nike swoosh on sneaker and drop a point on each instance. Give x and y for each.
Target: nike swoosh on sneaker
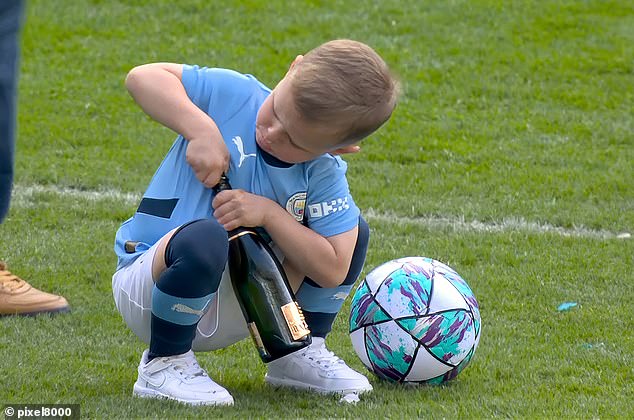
(156, 380)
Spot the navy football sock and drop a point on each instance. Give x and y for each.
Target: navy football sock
(169, 339)
(195, 258)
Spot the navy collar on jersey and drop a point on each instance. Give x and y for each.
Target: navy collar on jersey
(272, 160)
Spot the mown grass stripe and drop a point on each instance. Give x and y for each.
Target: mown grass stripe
(23, 194)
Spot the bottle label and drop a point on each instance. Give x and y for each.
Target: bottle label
(295, 320)
(255, 334)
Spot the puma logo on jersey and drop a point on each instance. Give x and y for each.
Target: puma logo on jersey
(339, 296)
(237, 140)
(184, 309)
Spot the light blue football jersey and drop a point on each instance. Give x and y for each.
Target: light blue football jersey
(315, 192)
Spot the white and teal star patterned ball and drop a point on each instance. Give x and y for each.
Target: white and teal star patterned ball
(414, 320)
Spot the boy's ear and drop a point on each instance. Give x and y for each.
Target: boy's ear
(297, 60)
(353, 148)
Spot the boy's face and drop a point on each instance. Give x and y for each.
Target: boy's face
(281, 132)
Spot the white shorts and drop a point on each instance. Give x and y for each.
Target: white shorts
(222, 325)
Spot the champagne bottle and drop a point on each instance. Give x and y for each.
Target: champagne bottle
(274, 318)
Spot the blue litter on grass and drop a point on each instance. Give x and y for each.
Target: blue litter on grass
(566, 306)
(593, 346)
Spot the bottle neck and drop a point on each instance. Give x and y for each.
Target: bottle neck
(223, 185)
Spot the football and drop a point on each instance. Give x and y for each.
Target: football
(414, 320)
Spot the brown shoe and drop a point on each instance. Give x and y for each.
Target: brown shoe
(17, 297)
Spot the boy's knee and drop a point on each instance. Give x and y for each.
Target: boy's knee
(202, 242)
(198, 251)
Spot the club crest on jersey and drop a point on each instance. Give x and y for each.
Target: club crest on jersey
(296, 205)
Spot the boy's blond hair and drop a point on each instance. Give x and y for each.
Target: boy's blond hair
(345, 82)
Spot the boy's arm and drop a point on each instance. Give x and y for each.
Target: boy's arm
(341, 244)
(159, 91)
(325, 260)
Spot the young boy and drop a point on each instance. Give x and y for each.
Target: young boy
(278, 150)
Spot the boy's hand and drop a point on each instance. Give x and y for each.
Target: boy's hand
(236, 208)
(208, 158)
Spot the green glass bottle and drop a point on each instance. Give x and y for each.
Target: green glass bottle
(274, 318)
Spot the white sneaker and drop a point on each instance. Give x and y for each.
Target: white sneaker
(316, 368)
(178, 378)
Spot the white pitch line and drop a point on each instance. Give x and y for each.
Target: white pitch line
(23, 197)
(506, 225)
(23, 194)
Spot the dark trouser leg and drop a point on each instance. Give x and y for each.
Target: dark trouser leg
(10, 21)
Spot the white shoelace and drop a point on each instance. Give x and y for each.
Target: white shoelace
(188, 369)
(323, 358)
